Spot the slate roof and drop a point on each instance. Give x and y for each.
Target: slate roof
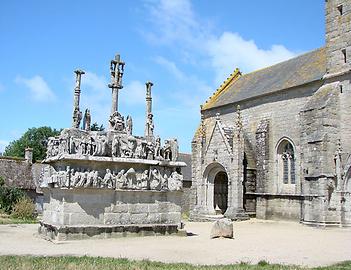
(186, 171)
(297, 71)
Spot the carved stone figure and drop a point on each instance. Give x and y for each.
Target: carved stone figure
(175, 181)
(129, 125)
(149, 128)
(120, 180)
(155, 180)
(90, 179)
(108, 179)
(96, 179)
(117, 122)
(54, 179)
(167, 150)
(150, 151)
(174, 149)
(164, 182)
(87, 120)
(131, 178)
(76, 178)
(158, 148)
(116, 146)
(142, 181)
(77, 117)
(139, 150)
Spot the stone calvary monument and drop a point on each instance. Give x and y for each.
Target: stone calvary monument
(111, 183)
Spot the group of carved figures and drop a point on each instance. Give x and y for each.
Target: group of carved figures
(123, 179)
(120, 145)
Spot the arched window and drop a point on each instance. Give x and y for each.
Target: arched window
(286, 162)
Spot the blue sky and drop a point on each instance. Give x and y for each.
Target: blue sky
(186, 48)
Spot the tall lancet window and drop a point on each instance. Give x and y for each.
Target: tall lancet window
(286, 162)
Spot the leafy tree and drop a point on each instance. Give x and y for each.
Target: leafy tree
(35, 138)
(96, 127)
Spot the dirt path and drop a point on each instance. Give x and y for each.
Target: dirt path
(275, 242)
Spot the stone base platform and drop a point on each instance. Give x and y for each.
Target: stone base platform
(63, 233)
(82, 213)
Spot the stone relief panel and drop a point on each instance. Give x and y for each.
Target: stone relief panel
(111, 144)
(154, 178)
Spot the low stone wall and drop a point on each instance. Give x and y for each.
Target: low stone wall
(17, 172)
(21, 173)
(278, 207)
(68, 212)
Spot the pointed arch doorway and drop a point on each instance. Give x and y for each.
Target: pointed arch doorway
(220, 194)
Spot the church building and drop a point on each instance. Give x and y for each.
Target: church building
(276, 143)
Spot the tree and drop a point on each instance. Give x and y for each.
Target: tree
(96, 127)
(35, 138)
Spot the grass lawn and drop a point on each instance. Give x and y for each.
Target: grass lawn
(7, 219)
(97, 263)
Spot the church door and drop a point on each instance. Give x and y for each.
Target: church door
(221, 192)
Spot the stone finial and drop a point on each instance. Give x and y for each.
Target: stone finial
(28, 155)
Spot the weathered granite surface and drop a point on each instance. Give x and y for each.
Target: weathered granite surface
(111, 182)
(294, 159)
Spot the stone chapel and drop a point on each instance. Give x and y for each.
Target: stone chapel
(276, 143)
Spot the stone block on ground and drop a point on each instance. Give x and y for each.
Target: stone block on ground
(222, 228)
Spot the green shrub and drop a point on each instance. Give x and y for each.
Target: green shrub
(9, 196)
(23, 209)
(2, 181)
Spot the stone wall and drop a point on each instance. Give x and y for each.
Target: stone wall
(109, 213)
(338, 32)
(282, 111)
(19, 172)
(279, 207)
(280, 114)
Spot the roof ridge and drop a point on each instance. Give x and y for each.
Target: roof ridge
(235, 75)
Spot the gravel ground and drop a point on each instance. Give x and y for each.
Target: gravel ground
(254, 240)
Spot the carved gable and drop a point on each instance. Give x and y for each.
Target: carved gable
(220, 142)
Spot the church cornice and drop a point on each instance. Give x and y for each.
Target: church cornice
(224, 86)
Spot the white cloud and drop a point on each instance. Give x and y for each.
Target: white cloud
(94, 81)
(230, 51)
(170, 66)
(172, 18)
(39, 89)
(133, 93)
(175, 23)
(3, 144)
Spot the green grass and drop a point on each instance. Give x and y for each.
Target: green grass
(99, 263)
(7, 219)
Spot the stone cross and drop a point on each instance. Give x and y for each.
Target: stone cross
(116, 70)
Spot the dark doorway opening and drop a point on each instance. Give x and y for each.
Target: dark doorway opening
(220, 202)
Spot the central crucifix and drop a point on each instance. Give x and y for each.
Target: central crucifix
(116, 70)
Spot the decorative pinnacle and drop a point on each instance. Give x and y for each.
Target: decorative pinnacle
(149, 84)
(148, 88)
